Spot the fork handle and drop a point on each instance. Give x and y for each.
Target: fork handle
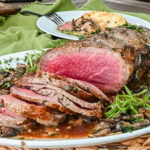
(26, 12)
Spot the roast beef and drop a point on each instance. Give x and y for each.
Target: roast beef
(85, 91)
(24, 109)
(74, 106)
(31, 96)
(63, 101)
(53, 88)
(106, 60)
(11, 124)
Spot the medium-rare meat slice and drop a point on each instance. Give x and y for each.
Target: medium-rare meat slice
(64, 101)
(86, 92)
(72, 89)
(22, 108)
(106, 60)
(62, 92)
(31, 96)
(11, 124)
(72, 105)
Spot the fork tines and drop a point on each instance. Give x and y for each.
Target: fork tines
(55, 18)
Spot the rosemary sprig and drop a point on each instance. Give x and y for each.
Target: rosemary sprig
(127, 101)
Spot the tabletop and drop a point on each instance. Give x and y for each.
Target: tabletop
(122, 5)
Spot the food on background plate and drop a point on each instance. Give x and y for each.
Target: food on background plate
(80, 87)
(92, 22)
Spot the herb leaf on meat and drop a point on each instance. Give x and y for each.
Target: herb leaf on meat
(127, 101)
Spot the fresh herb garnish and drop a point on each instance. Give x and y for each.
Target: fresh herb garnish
(132, 27)
(128, 129)
(127, 102)
(32, 60)
(1, 105)
(136, 119)
(94, 131)
(97, 31)
(81, 37)
(75, 90)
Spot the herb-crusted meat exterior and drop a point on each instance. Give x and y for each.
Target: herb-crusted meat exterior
(27, 110)
(106, 60)
(61, 93)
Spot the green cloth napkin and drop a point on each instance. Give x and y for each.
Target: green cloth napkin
(19, 32)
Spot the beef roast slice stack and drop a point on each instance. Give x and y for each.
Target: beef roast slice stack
(28, 110)
(106, 60)
(11, 124)
(58, 90)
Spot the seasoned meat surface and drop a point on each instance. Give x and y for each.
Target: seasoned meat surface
(106, 60)
(65, 99)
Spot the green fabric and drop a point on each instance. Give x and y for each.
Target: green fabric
(19, 32)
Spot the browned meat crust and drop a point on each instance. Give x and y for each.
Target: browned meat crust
(130, 47)
(24, 109)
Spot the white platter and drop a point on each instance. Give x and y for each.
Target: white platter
(62, 143)
(46, 25)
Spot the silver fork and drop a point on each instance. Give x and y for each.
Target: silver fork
(52, 16)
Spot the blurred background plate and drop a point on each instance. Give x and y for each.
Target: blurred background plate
(47, 26)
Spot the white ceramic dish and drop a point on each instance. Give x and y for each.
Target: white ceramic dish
(49, 27)
(62, 143)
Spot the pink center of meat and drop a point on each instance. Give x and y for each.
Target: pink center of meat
(101, 69)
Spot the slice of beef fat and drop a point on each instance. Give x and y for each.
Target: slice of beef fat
(106, 60)
(24, 109)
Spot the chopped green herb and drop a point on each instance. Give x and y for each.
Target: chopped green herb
(97, 31)
(81, 37)
(96, 131)
(75, 90)
(17, 59)
(128, 129)
(1, 105)
(5, 85)
(0, 62)
(132, 27)
(109, 29)
(136, 119)
(6, 61)
(127, 102)
(10, 59)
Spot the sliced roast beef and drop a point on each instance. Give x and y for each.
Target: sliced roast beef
(9, 119)
(36, 98)
(22, 108)
(11, 124)
(106, 60)
(72, 105)
(86, 92)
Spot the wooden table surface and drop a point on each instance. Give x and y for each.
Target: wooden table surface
(124, 5)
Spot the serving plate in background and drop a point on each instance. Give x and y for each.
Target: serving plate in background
(47, 26)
